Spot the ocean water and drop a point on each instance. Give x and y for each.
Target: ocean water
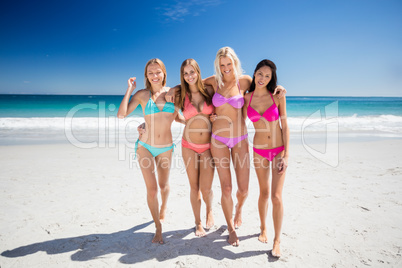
(87, 118)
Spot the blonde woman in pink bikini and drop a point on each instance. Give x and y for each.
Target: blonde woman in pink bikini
(270, 145)
(229, 134)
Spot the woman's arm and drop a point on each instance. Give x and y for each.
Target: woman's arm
(246, 102)
(285, 135)
(280, 90)
(141, 130)
(180, 118)
(245, 82)
(172, 93)
(210, 81)
(127, 106)
(210, 90)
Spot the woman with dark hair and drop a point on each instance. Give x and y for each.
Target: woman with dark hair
(270, 145)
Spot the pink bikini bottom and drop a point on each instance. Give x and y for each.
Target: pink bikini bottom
(269, 153)
(229, 142)
(198, 148)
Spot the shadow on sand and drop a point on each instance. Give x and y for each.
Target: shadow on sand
(136, 246)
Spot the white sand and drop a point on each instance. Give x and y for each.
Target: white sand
(70, 207)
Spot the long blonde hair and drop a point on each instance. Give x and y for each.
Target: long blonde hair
(160, 63)
(227, 52)
(185, 88)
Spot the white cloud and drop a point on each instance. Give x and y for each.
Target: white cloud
(181, 9)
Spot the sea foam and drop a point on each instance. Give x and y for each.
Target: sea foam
(382, 123)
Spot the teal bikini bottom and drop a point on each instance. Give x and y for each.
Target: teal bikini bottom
(155, 151)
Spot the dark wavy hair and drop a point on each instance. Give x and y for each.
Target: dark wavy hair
(273, 83)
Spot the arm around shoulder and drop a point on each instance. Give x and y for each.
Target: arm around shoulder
(210, 81)
(245, 82)
(172, 93)
(280, 90)
(180, 118)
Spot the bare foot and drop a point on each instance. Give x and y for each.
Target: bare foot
(158, 236)
(199, 230)
(237, 218)
(276, 250)
(263, 236)
(210, 220)
(233, 239)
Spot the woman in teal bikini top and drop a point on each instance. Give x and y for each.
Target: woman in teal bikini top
(156, 144)
(152, 108)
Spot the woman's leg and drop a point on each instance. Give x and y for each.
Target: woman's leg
(207, 168)
(278, 181)
(163, 163)
(190, 159)
(221, 154)
(147, 166)
(262, 168)
(241, 163)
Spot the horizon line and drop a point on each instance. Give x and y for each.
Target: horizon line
(287, 95)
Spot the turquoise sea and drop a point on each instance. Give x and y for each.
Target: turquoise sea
(52, 117)
(29, 106)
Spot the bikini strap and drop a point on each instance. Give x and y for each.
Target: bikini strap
(271, 97)
(238, 85)
(252, 94)
(150, 93)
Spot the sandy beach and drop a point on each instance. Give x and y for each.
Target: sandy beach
(70, 207)
(78, 77)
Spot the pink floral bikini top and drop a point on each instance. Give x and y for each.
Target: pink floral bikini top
(270, 114)
(190, 111)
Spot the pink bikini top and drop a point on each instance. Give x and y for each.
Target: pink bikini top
(235, 101)
(270, 114)
(190, 111)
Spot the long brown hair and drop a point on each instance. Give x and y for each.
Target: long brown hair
(160, 63)
(185, 88)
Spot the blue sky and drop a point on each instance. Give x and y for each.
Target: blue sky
(321, 48)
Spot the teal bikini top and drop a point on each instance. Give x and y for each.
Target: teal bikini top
(152, 108)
